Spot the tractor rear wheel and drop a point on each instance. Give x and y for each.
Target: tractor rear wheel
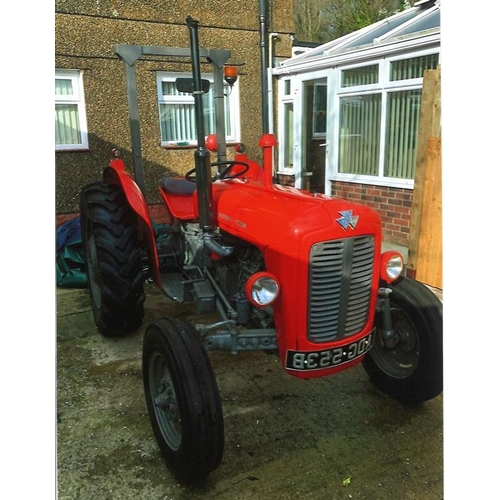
(112, 259)
(183, 399)
(412, 370)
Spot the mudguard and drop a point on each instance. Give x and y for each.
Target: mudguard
(116, 173)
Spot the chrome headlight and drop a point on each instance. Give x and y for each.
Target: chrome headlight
(391, 266)
(262, 289)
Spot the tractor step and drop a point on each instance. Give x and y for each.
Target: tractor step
(185, 285)
(172, 285)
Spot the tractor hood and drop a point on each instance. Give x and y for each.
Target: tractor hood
(286, 218)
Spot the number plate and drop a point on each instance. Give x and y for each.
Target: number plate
(328, 358)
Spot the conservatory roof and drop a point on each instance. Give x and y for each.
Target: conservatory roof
(415, 26)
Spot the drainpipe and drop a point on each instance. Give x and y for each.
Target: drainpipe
(263, 64)
(270, 83)
(270, 105)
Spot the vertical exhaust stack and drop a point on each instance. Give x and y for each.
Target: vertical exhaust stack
(202, 155)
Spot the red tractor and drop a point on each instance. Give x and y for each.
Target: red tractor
(289, 272)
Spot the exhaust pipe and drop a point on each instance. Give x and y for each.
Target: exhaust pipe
(202, 155)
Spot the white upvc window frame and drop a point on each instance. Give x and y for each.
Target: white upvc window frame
(384, 87)
(77, 98)
(232, 94)
(287, 91)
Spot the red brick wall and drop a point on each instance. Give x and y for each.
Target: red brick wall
(158, 214)
(62, 218)
(393, 205)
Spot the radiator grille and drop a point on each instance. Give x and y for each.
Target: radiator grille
(340, 281)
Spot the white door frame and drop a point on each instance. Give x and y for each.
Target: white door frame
(299, 138)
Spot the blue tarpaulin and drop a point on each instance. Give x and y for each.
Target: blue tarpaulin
(70, 264)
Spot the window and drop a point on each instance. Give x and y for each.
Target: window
(403, 113)
(364, 75)
(286, 118)
(288, 139)
(406, 69)
(378, 120)
(71, 121)
(319, 110)
(177, 118)
(359, 137)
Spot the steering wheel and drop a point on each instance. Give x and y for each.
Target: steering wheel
(225, 174)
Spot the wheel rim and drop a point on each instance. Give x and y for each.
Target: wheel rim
(402, 360)
(95, 289)
(164, 400)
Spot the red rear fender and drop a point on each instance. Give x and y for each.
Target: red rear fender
(115, 173)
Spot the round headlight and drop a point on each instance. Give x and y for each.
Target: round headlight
(392, 266)
(262, 289)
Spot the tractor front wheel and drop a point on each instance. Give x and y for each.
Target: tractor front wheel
(183, 399)
(411, 370)
(112, 259)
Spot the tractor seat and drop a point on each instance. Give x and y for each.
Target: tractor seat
(178, 195)
(178, 186)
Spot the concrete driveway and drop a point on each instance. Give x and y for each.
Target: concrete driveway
(326, 439)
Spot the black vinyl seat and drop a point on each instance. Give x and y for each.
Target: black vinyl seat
(178, 186)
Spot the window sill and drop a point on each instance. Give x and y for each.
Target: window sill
(181, 146)
(178, 146)
(82, 150)
(376, 181)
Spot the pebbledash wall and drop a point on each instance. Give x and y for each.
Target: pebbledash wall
(86, 33)
(79, 48)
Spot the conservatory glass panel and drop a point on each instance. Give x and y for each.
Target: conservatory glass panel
(365, 75)
(359, 138)
(403, 113)
(287, 87)
(407, 69)
(288, 139)
(319, 110)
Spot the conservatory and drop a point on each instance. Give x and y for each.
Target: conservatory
(348, 110)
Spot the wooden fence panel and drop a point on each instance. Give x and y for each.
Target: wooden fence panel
(429, 260)
(425, 239)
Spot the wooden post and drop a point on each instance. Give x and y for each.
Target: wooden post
(429, 127)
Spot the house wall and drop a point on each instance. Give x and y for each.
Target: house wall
(393, 205)
(86, 32)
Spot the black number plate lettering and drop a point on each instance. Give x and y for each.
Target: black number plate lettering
(328, 358)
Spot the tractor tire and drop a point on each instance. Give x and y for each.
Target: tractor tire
(412, 371)
(182, 399)
(112, 259)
